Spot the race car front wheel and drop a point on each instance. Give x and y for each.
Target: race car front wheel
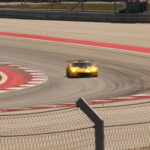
(68, 75)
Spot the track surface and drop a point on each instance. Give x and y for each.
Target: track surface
(121, 73)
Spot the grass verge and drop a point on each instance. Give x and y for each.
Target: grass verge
(67, 6)
(107, 6)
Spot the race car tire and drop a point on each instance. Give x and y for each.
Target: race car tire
(95, 75)
(68, 75)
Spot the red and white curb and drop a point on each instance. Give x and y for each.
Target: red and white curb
(17, 77)
(93, 102)
(121, 99)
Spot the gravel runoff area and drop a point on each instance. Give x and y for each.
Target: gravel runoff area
(132, 34)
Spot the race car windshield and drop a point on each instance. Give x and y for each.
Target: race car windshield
(82, 65)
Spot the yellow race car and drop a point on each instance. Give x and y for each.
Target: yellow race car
(81, 68)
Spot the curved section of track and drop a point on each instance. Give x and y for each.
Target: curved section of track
(122, 73)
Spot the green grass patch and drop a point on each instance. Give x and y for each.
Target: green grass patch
(69, 6)
(66, 6)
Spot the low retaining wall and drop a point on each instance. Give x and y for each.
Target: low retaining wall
(75, 16)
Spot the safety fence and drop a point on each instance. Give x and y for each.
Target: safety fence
(75, 16)
(126, 127)
(122, 6)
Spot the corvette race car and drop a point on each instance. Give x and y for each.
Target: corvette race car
(80, 68)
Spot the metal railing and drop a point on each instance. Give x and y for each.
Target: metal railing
(125, 127)
(98, 123)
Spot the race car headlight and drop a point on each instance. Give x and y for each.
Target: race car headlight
(88, 70)
(73, 70)
(94, 69)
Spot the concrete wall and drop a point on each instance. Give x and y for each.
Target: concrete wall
(75, 16)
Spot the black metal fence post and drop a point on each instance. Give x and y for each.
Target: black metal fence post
(99, 124)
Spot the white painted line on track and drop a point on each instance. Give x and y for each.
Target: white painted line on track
(2, 91)
(99, 100)
(24, 68)
(141, 95)
(37, 73)
(4, 62)
(4, 77)
(38, 79)
(39, 76)
(15, 88)
(30, 70)
(27, 85)
(34, 82)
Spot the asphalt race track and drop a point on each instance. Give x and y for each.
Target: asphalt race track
(122, 73)
(118, 76)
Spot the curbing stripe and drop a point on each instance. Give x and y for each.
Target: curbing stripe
(39, 78)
